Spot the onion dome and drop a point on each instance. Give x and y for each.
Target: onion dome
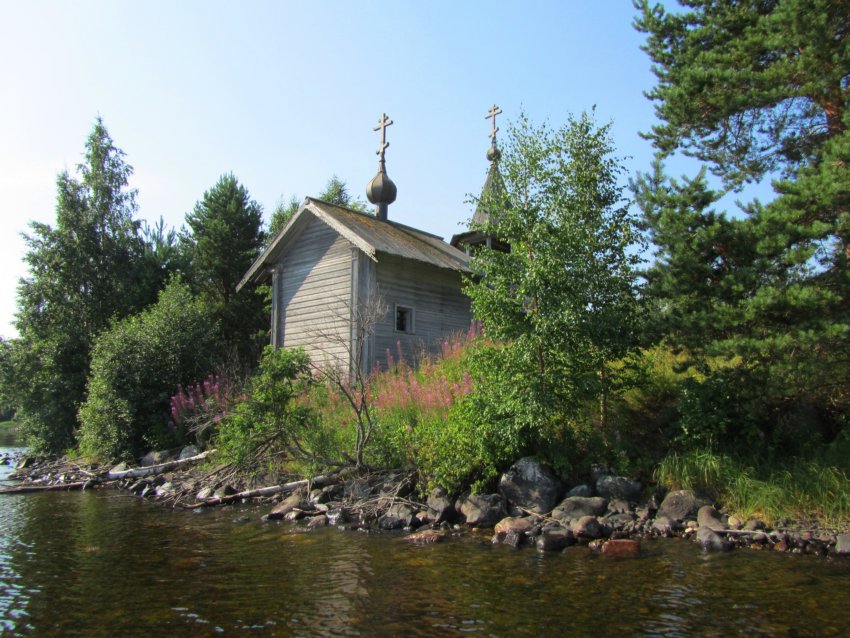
(382, 191)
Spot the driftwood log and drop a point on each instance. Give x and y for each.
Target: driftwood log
(58, 487)
(318, 481)
(150, 470)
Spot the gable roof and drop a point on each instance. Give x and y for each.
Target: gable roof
(368, 233)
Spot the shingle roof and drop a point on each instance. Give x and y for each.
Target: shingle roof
(368, 233)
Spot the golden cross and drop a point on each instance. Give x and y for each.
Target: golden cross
(494, 111)
(383, 123)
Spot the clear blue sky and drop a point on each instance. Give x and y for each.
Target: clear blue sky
(285, 94)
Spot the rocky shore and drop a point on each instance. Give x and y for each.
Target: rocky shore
(611, 514)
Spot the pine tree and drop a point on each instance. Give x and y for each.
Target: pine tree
(755, 90)
(748, 86)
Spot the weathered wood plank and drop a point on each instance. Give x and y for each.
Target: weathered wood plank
(315, 293)
(440, 308)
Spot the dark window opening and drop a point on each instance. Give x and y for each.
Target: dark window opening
(403, 319)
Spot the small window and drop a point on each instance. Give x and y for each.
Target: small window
(403, 319)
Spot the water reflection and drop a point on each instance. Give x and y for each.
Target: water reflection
(104, 564)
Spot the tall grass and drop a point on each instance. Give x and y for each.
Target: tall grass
(411, 403)
(803, 490)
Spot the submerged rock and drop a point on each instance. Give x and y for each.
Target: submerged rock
(621, 548)
(555, 540)
(711, 540)
(531, 485)
(426, 537)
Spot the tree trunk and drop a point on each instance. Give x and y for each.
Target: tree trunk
(318, 481)
(59, 487)
(150, 470)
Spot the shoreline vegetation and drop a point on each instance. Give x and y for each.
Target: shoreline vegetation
(611, 514)
(712, 497)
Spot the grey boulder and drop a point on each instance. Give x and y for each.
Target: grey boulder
(842, 545)
(530, 485)
(574, 507)
(581, 490)
(709, 517)
(440, 507)
(618, 487)
(482, 510)
(587, 527)
(680, 505)
(397, 516)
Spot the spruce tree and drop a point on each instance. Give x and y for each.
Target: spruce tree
(225, 237)
(83, 272)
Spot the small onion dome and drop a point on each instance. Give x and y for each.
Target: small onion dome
(493, 153)
(381, 190)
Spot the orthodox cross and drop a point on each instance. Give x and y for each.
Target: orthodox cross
(383, 123)
(494, 111)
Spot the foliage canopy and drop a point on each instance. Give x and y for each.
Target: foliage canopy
(754, 89)
(563, 300)
(225, 237)
(86, 270)
(136, 365)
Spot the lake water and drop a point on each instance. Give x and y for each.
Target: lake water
(106, 564)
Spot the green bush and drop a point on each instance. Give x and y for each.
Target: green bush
(136, 365)
(274, 423)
